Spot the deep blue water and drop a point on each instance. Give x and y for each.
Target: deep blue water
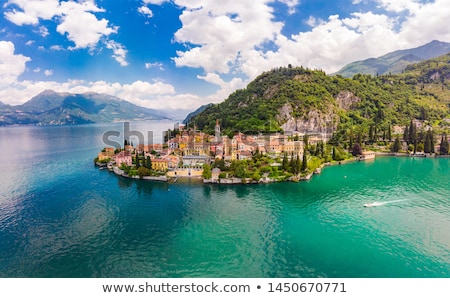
(62, 217)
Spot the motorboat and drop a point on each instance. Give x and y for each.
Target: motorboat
(373, 204)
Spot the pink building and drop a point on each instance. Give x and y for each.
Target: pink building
(124, 157)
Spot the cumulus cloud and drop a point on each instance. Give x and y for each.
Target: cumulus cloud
(399, 5)
(227, 28)
(144, 10)
(11, 65)
(48, 72)
(77, 19)
(81, 25)
(43, 31)
(291, 4)
(120, 53)
(31, 11)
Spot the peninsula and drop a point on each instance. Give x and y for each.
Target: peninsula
(291, 121)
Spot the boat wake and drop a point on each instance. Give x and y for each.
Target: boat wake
(376, 204)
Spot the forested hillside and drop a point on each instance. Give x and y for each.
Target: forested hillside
(304, 100)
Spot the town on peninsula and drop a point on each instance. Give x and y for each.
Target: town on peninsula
(291, 121)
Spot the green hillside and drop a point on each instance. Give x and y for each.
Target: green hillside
(310, 101)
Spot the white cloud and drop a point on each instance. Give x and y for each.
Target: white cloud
(426, 24)
(37, 70)
(399, 5)
(227, 28)
(155, 2)
(11, 65)
(145, 11)
(81, 25)
(30, 42)
(32, 11)
(48, 72)
(43, 31)
(120, 53)
(158, 65)
(291, 4)
(57, 48)
(77, 19)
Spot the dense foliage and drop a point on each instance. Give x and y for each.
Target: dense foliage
(421, 92)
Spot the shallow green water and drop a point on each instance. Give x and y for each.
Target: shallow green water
(61, 217)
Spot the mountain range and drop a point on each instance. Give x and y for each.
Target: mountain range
(395, 62)
(55, 108)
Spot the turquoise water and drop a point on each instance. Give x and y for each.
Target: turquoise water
(62, 217)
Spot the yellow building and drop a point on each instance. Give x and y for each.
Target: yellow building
(160, 164)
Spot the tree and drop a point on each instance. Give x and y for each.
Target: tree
(285, 162)
(412, 134)
(240, 171)
(389, 133)
(432, 141)
(406, 134)
(356, 150)
(305, 142)
(396, 147)
(427, 144)
(298, 165)
(207, 173)
(444, 147)
(292, 164)
(143, 171)
(304, 162)
(148, 163)
(138, 164)
(420, 147)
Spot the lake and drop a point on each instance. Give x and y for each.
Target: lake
(62, 217)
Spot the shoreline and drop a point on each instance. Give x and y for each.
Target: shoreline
(264, 180)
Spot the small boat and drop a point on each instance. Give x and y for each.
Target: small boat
(373, 204)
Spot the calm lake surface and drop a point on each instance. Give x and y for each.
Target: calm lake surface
(62, 217)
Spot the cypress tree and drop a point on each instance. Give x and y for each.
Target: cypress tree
(285, 162)
(427, 145)
(432, 141)
(443, 149)
(396, 147)
(292, 163)
(138, 164)
(406, 134)
(304, 162)
(148, 163)
(298, 164)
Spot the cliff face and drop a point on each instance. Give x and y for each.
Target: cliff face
(314, 121)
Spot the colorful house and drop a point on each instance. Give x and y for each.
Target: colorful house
(123, 157)
(159, 164)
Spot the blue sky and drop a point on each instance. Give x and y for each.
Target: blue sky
(176, 55)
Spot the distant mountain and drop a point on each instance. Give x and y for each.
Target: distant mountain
(395, 62)
(195, 113)
(53, 108)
